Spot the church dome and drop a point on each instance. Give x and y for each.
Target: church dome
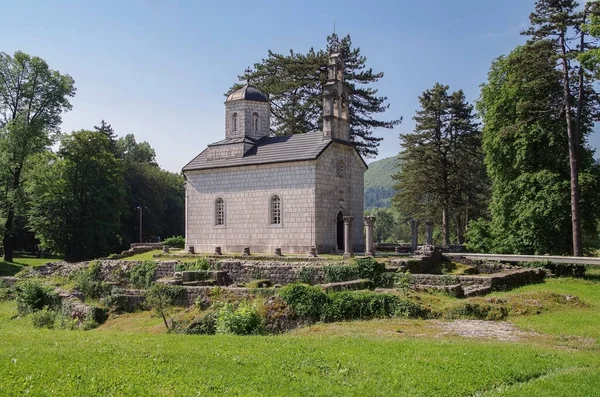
(248, 93)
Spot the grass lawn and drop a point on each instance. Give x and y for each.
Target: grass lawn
(20, 261)
(131, 355)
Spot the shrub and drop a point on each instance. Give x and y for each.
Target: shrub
(44, 318)
(304, 300)
(243, 320)
(336, 274)
(261, 283)
(403, 282)
(175, 241)
(89, 322)
(5, 291)
(142, 274)
(306, 275)
(371, 269)
(32, 296)
(205, 325)
(349, 305)
(161, 298)
(387, 280)
(89, 281)
(200, 264)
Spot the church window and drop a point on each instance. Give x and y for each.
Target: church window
(219, 212)
(234, 122)
(255, 122)
(275, 210)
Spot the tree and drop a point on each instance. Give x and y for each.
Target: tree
(554, 21)
(442, 161)
(79, 197)
(160, 194)
(527, 158)
(107, 130)
(32, 98)
(294, 83)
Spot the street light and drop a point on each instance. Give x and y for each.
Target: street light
(140, 208)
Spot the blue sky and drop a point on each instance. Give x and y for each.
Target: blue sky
(158, 69)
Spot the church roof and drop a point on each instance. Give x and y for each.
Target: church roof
(248, 93)
(298, 147)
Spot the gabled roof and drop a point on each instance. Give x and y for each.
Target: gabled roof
(279, 149)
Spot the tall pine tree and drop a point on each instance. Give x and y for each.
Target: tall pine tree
(294, 83)
(442, 170)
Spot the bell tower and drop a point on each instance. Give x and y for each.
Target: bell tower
(336, 124)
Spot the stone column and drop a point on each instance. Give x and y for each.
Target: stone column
(348, 252)
(414, 226)
(369, 223)
(429, 233)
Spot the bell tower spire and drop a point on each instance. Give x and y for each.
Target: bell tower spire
(336, 124)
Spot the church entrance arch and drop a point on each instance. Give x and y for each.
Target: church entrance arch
(340, 231)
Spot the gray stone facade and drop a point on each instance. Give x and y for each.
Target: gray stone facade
(317, 178)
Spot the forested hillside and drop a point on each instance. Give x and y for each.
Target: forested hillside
(379, 185)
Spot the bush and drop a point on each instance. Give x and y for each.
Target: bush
(371, 269)
(336, 274)
(559, 269)
(403, 282)
(161, 298)
(348, 305)
(200, 264)
(89, 281)
(243, 320)
(261, 283)
(306, 275)
(44, 318)
(175, 241)
(304, 300)
(32, 296)
(478, 312)
(5, 291)
(205, 325)
(142, 274)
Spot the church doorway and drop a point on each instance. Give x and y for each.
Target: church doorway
(340, 231)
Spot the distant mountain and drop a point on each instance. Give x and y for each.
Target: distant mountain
(379, 185)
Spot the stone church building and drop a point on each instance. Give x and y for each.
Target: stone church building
(290, 192)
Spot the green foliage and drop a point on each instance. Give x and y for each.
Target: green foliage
(90, 282)
(443, 174)
(306, 301)
(259, 283)
(45, 318)
(559, 269)
(527, 158)
(142, 274)
(161, 298)
(379, 185)
(353, 305)
(241, 320)
(403, 282)
(295, 81)
(32, 296)
(79, 195)
(175, 241)
(370, 269)
(478, 312)
(204, 325)
(32, 99)
(339, 273)
(306, 275)
(201, 263)
(89, 322)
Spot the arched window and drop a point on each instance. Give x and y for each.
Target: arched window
(255, 122)
(219, 212)
(234, 122)
(275, 210)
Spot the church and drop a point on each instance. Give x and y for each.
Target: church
(267, 192)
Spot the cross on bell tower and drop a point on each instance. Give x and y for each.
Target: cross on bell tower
(336, 123)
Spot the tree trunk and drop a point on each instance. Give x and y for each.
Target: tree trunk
(445, 226)
(573, 159)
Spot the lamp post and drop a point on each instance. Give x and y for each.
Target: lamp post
(140, 208)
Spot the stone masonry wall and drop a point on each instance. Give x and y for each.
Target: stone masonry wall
(246, 192)
(276, 272)
(244, 110)
(339, 193)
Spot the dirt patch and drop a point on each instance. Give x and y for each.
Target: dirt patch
(484, 330)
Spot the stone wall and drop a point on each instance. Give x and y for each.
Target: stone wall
(277, 272)
(246, 192)
(336, 193)
(507, 280)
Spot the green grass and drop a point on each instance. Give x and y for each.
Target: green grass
(131, 355)
(21, 261)
(57, 362)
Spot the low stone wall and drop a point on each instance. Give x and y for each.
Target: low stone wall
(191, 294)
(277, 272)
(165, 269)
(8, 281)
(347, 286)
